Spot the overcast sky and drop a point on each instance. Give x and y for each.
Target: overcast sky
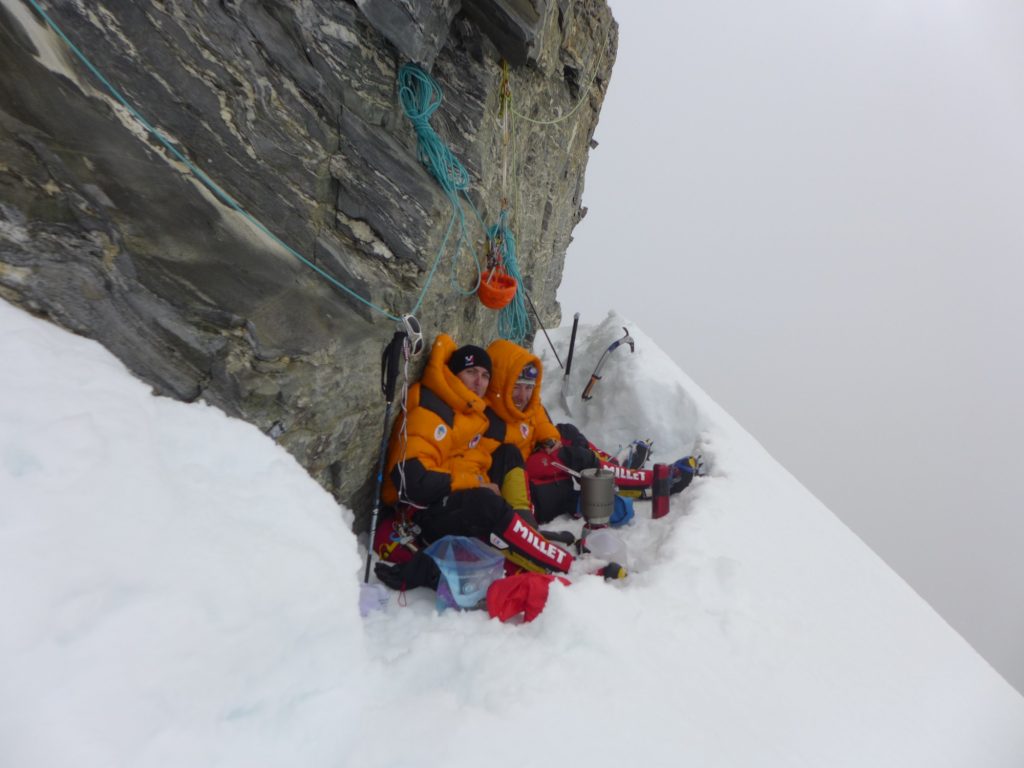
(815, 208)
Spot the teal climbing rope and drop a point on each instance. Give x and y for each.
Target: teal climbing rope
(198, 173)
(513, 321)
(420, 96)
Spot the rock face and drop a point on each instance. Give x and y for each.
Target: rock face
(291, 107)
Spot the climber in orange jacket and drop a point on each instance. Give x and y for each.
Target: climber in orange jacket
(442, 444)
(446, 467)
(514, 396)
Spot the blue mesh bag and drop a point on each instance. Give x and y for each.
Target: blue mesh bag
(468, 567)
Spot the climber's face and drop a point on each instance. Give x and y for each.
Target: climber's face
(521, 394)
(476, 379)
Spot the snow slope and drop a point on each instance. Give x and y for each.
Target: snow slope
(176, 591)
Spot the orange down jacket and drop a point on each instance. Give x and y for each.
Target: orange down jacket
(527, 427)
(444, 446)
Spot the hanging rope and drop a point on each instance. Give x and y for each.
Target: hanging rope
(509, 133)
(517, 320)
(586, 91)
(421, 96)
(513, 322)
(505, 115)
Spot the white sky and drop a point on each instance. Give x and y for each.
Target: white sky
(814, 208)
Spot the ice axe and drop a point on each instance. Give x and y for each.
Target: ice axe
(568, 364)
(596, 375)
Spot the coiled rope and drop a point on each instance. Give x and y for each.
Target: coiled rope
(420, 96)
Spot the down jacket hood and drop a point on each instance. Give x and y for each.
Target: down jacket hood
(508, 360)
(530, 426)
(437, 377)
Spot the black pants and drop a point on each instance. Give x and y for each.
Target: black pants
(506, 457)
(557, 496)
(476, 512)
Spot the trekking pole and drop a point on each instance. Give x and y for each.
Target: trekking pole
(568, 363)
(389, 363)
(541, 324)
(596, 375)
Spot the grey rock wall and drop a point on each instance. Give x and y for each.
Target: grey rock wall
(291, 106)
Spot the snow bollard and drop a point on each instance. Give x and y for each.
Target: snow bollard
(597, 496)
(660, 490)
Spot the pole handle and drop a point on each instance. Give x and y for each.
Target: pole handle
(389, 365)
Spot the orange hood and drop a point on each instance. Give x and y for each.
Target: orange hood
(438, 378)
(508, 360)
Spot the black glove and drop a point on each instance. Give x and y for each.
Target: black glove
(562, 537)
(528, 517)
(572, 434)
(575, 457)
(421, 571)
(613, 571)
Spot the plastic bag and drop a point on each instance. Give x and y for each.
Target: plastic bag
(468, 568)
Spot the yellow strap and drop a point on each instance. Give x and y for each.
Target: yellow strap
(523, 561)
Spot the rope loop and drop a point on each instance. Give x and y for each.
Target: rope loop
(421, 96)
